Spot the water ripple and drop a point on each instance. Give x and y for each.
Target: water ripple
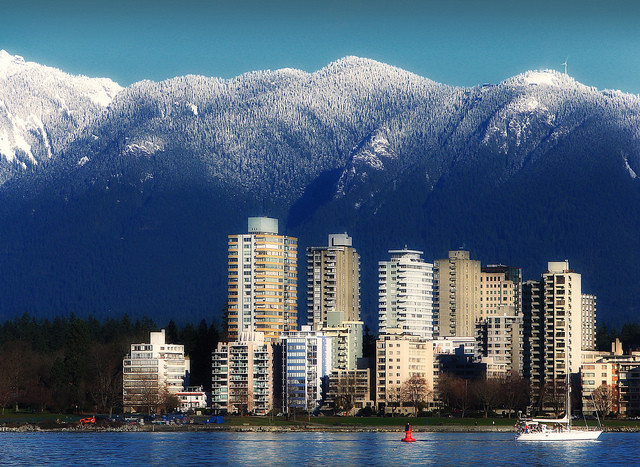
(307, 449)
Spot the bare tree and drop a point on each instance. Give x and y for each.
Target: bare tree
(344, 391)
(514, 392)
(13, 364)
(455, 392)
(393, 398)
(240, 400)
(415, 391)
(168, 402)
(294, 393)
(6, 394)
(443, 389)
(603, 399)
(106, 386)
(556, 395)
(149, 395)
(487, 394)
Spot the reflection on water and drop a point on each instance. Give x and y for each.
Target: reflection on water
(308, 449)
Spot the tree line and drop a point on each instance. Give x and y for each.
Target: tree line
(629, 336)
(71, 364)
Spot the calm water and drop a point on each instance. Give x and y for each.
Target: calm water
(307, 449)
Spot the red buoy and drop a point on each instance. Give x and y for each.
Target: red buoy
(407, 434)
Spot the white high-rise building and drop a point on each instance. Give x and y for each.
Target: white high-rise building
(152, 372)
(263, 280)
(406, 294)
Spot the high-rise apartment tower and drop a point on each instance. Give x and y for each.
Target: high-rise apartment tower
(552, 312)
(457, 294)
(263, 280)
(406, 294)
(333, 281)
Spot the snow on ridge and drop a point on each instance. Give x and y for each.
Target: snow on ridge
(527, 104)
(381, 146)
(103, 95)
(547, 77)
(629, 169)
(146, 148)
(6, 149)
(14, 140)
(100, 91)
(540, 78)
(368, 158)
(353, 63)
(10, 64)
(379, 149)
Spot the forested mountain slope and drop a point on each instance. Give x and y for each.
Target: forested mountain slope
(131, 211)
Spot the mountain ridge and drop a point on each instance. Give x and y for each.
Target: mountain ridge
(152, 183)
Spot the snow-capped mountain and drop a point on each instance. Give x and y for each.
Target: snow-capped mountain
(142, 185)
(42, 109)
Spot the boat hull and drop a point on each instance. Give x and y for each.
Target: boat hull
(573, 435)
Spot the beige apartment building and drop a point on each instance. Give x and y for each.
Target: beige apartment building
(499, 342)
(349, 391)
(400, 356)
(263, 279)
(552, 314)
(457, 294)
(333, 281)
(242, 375)
(346, 341)
(497, 294)
(499, 333)
(619, 373)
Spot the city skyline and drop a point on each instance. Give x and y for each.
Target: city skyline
(460, 43)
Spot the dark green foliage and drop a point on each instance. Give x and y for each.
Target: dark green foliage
(629, 337)
(368, 343)
(78, 366)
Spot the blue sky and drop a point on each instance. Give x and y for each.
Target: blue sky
(457, 42)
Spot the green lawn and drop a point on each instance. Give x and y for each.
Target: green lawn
(400, 422)
(364, 421)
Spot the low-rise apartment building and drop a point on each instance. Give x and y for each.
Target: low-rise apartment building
(242, 375)
(152, 373)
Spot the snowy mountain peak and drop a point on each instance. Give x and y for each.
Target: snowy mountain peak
(541, 78)
(10, 64)
(42, 108)
(6, 57)
(352, 63)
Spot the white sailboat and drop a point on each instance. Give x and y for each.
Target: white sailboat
(559, 429)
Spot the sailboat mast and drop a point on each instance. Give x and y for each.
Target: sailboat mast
(568, 415)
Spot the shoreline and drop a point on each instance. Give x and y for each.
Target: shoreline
(29, 428)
